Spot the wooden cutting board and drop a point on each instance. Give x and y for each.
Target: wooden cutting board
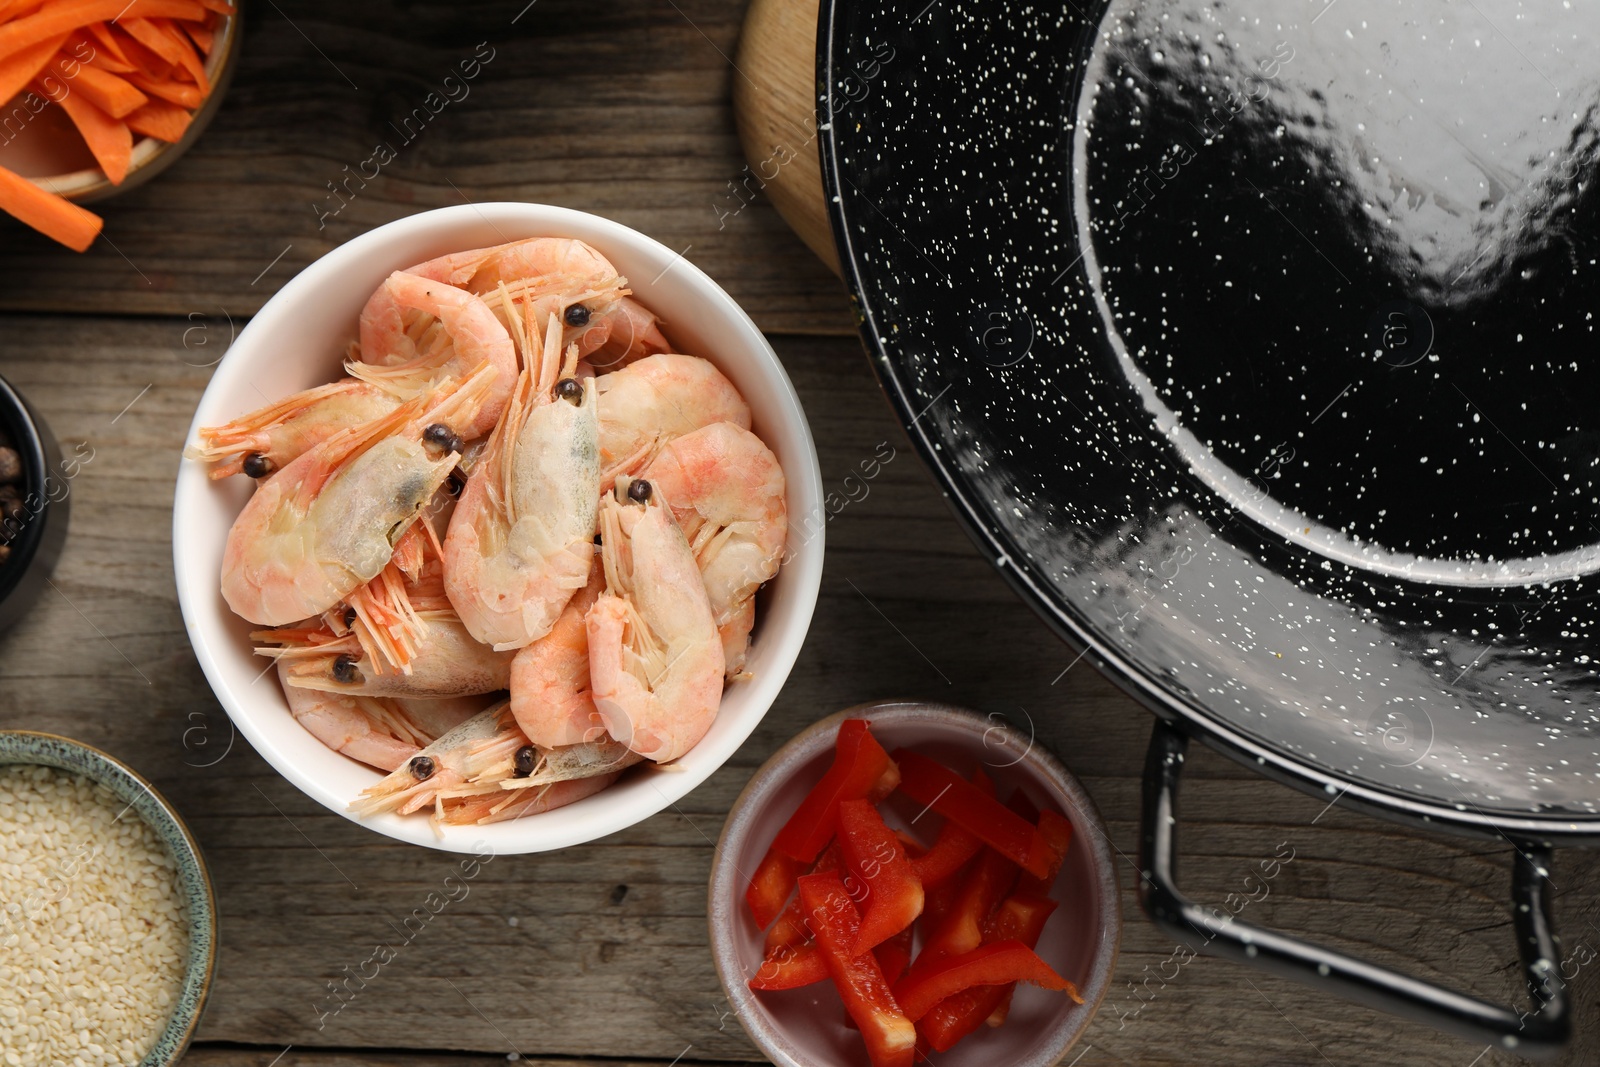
(774, 105)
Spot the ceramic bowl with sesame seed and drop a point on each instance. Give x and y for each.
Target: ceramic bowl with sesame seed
(109, 917)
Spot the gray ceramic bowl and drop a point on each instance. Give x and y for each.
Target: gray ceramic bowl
(27, 747)
(806, 1027)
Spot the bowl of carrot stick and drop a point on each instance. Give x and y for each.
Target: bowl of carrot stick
(100, 96)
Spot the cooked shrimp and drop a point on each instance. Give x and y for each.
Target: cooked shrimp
(726, 490)
(364, 729)
(522, 537)
(632, 332)
(383, 614)
(469, 336)
(648, 403)
(446, 662)
(272, 437)
(655, 659)
(552, 276)
(437, 716)
(328, 522)
(488, 809)
(550, 694)
(489, 762)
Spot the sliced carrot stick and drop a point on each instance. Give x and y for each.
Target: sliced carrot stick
(166, 41)
(56, 218)
(109, 139)
(181, 93)
(15, 9)
(23, 66)
(111, 64)
(148, 63)
(190, 58)
(58, 17)
(87, 48)
(204, 37)
(161, 120)
(111, 94)
(82, 46)
(221, 7)
(107, 40)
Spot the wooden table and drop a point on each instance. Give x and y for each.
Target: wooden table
(600, 951)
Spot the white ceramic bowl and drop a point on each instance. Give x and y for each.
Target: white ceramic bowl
(807, 1027)
(298, 340)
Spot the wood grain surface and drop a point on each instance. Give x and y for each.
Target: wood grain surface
(600, 951)
(621, 109)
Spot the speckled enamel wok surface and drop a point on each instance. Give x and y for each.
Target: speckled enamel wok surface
(1255, 343)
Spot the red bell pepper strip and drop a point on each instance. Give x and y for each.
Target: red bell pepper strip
(954, 847)
(894, 955)
(949, 794)
(790, 929)
(961, 929)
(1021, 918)
(1001, 963)
(791, 968)
(937, 901)
(1057, 831)
(860, 766)
(914, 848)
(771, 887)
(890, 1037)
(893, 893)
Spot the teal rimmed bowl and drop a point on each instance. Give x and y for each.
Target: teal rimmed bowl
(194, 882)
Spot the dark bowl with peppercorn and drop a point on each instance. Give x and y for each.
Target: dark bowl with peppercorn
(34, 502)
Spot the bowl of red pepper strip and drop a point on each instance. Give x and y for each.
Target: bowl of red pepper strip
(906, 881)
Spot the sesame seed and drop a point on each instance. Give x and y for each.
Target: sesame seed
(93, 930)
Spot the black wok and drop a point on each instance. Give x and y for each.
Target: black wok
(1254, 343)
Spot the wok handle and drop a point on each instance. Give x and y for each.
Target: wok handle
(1533, 1033)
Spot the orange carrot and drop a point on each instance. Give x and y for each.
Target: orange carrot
(111, 64)
(221, 7)
(53, 216)
(87, 48)
(148, 63)
(107, 42)
(190, 58)
(81, 45)
(59, 17)
(109, 139)
(181, 93)
(15, 9)
(164, 40)
(111, 94)
(161, 120)
(204, 37)
(23, 66)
